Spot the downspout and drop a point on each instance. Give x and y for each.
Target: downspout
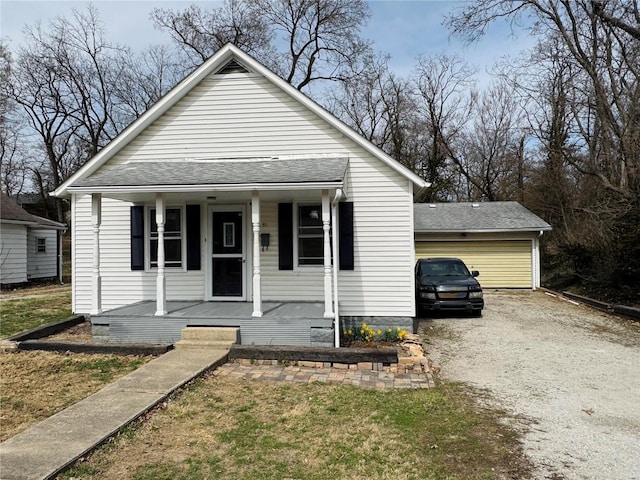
(537, 283)
(334, 226)
(59, 236)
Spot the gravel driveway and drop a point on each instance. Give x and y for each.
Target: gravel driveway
(569, 373)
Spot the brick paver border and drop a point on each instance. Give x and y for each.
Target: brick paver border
(377, 379)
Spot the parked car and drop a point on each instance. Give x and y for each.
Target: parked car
(446, 284)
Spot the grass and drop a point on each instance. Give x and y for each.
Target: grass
(25, 313)
(230, 428)
(35, 385)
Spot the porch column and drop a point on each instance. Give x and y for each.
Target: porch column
(161, 297)
(96, 279)
(255, 221)
(326, 227)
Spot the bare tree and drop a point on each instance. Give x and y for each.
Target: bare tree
(379, 106)
(608, 57)
(491, 155)
(547, 86)
(360, 103)
(302, 40)
(88, 67)
(445, 99)
(43, 98)
(5, 78)
(200, 33)
(12, 170)
(322, 37)
(628, 19)
(64, 82)
(144, 80)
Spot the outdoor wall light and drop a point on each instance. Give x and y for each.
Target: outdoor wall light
(264, 241)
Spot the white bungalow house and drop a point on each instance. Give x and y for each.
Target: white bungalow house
(30, 246)
(236, 200)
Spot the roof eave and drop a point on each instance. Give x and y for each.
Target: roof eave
(18, 222)
(61, 228)
(488, 230)
(42, 222)
(206, 187)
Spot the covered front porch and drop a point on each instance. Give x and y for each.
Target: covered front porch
(249, 243)
(281, 323)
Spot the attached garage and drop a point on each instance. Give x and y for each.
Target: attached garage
(501, 263)
(499, 239)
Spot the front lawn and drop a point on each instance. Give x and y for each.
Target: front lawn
(227, 428)
(35, 385)
(23, 314)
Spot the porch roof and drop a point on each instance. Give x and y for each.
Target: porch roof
(232, 174)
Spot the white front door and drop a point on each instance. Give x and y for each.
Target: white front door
(227, 253)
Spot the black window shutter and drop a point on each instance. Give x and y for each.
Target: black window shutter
(285, 236)
(137, 237)
(193, 237)
(345, 233)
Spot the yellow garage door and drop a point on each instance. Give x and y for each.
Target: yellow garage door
(502, 264)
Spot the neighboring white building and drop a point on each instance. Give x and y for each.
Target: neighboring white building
(30, 246)
(236, 187)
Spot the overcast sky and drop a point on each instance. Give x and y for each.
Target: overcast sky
(404, 29)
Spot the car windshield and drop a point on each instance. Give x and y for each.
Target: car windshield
(444, 269)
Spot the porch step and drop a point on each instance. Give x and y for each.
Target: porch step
(208, 337)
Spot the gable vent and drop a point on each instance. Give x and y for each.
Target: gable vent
(232, 67)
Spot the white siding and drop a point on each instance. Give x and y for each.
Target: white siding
(42, 265)
(120, 285)
(297, 285)
(244, 115)
(13, 253)
(381, 283)
(231, 116)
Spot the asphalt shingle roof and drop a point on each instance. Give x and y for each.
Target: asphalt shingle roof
(229, 172)
(11, 211)
(475, 217)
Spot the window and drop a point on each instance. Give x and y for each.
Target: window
(41, 245)
(229, 231)
(172, 238)
(310, 235)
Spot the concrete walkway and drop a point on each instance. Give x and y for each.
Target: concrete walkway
(49, 446)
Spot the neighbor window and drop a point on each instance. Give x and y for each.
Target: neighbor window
(172, 238)
(310, 235)
(41, 245)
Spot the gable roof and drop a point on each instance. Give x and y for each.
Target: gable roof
(11, 212)
(221, 60)
(481, 217)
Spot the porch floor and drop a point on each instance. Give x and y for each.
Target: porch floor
(282, 323)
